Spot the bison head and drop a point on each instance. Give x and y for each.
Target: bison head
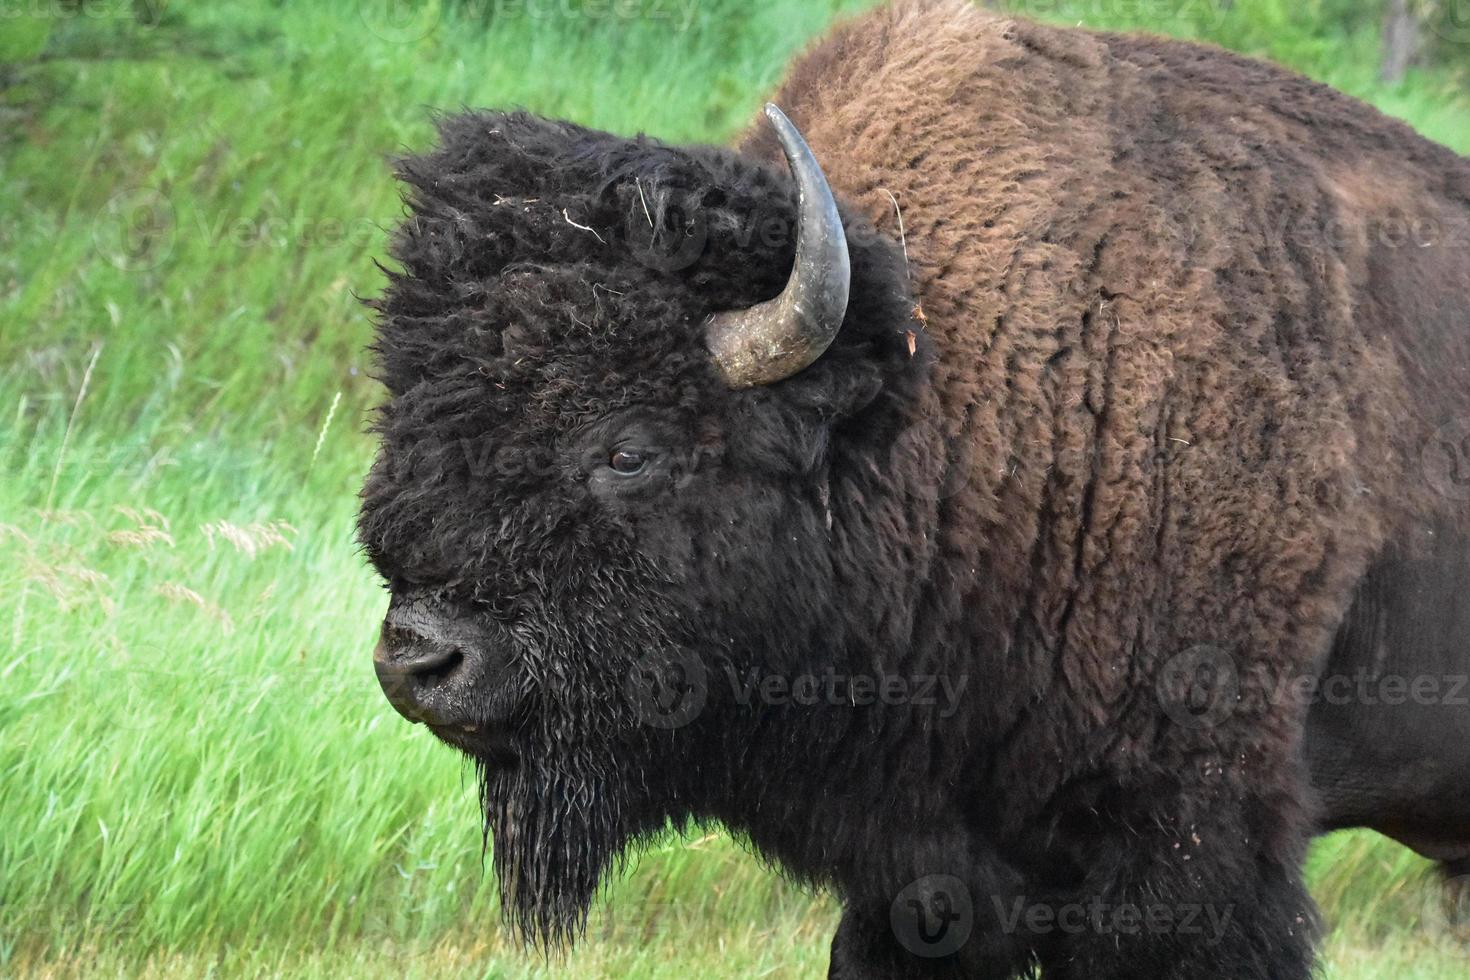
(643, 409)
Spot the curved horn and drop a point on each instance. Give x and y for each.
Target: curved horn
(775, 339)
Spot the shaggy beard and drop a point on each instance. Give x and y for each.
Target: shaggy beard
(590, 782)
(556, 831)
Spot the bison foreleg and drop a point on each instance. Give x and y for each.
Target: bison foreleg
(930, 913)
(866, 947)
(1207, 904)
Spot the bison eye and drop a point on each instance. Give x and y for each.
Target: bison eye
(627, 462)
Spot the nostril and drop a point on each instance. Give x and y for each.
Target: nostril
(431, 663)
(421, 663)
(437, 664)
(404, 654)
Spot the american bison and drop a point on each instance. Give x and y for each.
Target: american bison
(948, 503)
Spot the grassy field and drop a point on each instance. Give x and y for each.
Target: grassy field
(198, 774)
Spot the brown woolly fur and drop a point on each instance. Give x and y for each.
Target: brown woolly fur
(1155, 369)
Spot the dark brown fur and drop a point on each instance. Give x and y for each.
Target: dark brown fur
(1181, 338)
(1189, 404)
(1198, 319)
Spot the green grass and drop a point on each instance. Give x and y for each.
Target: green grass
(197, 772)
